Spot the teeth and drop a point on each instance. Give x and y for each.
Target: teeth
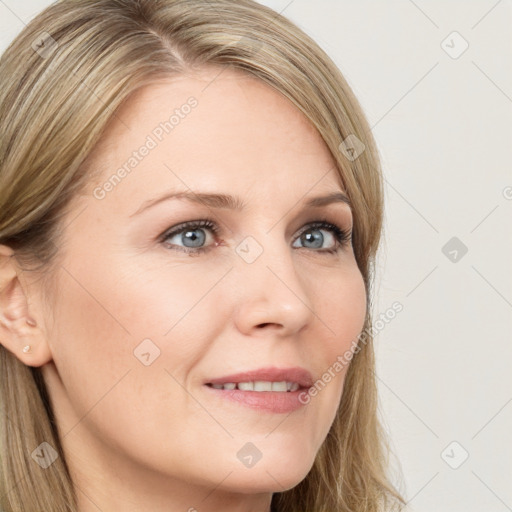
(294, 386)
(246, 386)
(279, 386)
(259, 385)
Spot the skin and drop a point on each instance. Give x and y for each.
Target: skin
(151, 437)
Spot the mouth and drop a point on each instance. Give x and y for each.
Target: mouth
(260, 386)
(267, 389)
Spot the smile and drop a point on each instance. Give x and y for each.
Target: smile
(259, 385)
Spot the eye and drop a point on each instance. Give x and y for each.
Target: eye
(313, 238)
(193, 236)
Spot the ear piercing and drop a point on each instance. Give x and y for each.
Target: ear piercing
(31, 322)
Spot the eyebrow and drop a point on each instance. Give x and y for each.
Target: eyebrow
(235, 203)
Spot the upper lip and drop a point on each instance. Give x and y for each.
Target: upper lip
(271, 374)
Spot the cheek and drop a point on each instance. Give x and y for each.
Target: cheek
(341, 316)
(101, 341)
(112, 317)
(341, 307)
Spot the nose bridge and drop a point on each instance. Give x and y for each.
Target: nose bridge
(273, 292)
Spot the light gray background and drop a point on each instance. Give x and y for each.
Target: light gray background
(444, 131)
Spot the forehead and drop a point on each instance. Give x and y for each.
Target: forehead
(213, 128)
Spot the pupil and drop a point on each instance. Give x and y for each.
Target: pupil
(196, 240)
(318, 238)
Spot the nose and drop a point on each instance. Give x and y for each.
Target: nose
(273, 296)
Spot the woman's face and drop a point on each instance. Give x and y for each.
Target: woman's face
(142, 324)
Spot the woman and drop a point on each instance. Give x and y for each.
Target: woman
(191, 205)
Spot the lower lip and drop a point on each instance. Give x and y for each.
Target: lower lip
(270, 401)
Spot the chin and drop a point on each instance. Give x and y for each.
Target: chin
(262, 482)
(278, 476)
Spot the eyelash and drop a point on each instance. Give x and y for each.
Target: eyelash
(342, 236)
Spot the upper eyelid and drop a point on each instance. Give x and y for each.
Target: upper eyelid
(216, 228)
(191, 223)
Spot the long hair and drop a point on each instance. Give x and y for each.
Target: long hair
(61, 80)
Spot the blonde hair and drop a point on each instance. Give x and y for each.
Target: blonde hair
(61, 81)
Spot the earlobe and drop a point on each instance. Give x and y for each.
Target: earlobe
(20, 333)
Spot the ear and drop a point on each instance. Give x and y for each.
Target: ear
(19, 328)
